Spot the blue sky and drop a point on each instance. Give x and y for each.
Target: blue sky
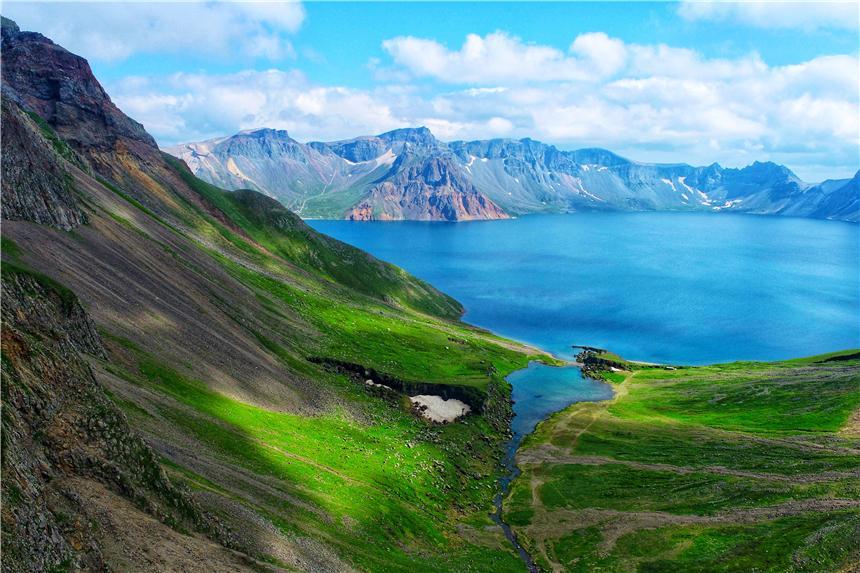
(673, 82)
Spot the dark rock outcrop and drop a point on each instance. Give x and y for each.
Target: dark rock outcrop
(59, 86)
(57, 89)
(434, 188)
(59, 426)
(35, 181)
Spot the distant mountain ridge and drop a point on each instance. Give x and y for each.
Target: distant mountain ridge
(409, 174)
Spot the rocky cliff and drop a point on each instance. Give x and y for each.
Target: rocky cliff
(60, 87)
(433, 188)
(66, 443)
(402, 174)
(35, 184)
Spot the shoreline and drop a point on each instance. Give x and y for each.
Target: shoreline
(510, 470)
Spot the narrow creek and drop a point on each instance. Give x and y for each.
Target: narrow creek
(539, 391)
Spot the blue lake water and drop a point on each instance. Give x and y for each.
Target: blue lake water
(540, 390)
(688, 288)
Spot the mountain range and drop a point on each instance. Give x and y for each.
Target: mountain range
(409, 174)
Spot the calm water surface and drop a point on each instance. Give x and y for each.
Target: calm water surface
(662, 287)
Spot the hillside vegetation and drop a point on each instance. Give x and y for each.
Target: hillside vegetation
(732, 467)
(236, 341)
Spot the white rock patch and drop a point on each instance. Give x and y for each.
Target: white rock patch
(375, 385)
(437, 409)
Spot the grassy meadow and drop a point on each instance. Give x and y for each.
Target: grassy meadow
(731, 467)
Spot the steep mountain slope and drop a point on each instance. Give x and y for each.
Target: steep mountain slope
(237, 343)
(72, 466)
(369, 178)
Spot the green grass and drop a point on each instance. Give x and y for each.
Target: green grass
(281, 233)
(382, 488)
(718, 443)
(623, 488)
(401, 484)
(362, 331)
(810, 543)
(9, 248)
(395, 479)
(777, 399)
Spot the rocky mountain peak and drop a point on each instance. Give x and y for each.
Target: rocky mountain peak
(416, 135)
(60, 87)
(266, 133)
(599, 156)
(8, 26)
(768, 171)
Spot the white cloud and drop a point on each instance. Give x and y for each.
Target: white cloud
(801, 15)
(187, 107)
(500, 57)
(607, 55)
(591, 57)
(114, 31)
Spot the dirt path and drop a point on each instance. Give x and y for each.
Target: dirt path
(550, 454)
(614, 524)
(547, 526)
(852, 426)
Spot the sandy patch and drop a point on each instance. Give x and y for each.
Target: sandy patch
(437, 409)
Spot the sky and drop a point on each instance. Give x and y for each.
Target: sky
(692, 82)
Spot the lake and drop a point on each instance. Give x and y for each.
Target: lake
(689, 288)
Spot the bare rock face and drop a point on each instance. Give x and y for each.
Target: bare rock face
(402, 174)
(61, 432)
(36, 185)
(58, 91)
(60, 87)
(434, 188)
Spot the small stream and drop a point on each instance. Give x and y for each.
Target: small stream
(537, 392)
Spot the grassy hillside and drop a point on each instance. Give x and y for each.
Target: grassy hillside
(732, 467)
(238, 341)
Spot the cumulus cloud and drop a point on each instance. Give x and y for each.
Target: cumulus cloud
(114, 31)
(186, 107)
(801, 15)
(651, 102)
(501, 57)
